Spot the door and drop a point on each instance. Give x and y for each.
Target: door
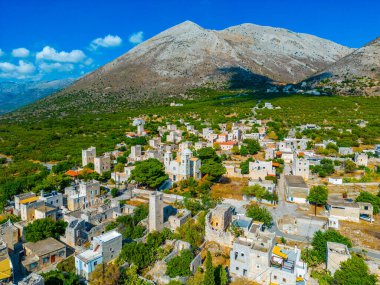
(52, 258)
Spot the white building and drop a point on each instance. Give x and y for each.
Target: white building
(300, 167)
(260, 169)
(88, 155)
(185, 166)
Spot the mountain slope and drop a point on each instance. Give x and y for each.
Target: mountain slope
(357, 73)
(187, 56)
(14, 95)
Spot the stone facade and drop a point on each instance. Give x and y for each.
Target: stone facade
(88, 155)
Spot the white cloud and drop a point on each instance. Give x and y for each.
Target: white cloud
(20, 71)
(20, 52)
(106, 42)
(1, 52)
(136, 38)
(49, 53)
(56, 66)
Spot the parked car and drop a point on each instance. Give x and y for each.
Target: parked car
(366, 218)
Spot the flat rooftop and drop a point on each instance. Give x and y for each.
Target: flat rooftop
(45, 246)
(89, 255)
(295, 181)
(108, 236)
(338, 248)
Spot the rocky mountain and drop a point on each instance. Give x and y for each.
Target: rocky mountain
(357, 73)
(14, 95)
(188, 56)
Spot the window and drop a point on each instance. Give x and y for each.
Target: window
(61, 253)
(237, 268)
(283, 279)
(45, 259)
(242, 254)
(275, 277)
(33, 265)
(95, 263)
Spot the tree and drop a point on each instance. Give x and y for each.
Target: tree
(44, 228)
(207, 153)
(150, 172)
(209, 278)
(243, 150)
(365, 196)
(56, 277)
(349, 166)
(114, 192)
(318, 196)
(253, 146)
(180, 265)
(213, 168)
(354, 271)
(244, 166)
(119, 167)
(255, 190)
(130, 277)
(220, 275)
(235, 150)
(121, 159)
(105, 274)
(258, 213)
(67, 265)
(318, 254)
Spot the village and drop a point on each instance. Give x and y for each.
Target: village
(252, 206)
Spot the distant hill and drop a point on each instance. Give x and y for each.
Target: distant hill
(14, 95)
(187, 56)
(357, 73)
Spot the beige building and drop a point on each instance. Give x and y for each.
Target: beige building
(102, 164)
(42, 254)
(259, 169)
(349, 211)
(82, 195)
(9, 234)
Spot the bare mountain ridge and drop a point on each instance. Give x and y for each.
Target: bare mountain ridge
(357, 73)
(364, 61)
(188, 55)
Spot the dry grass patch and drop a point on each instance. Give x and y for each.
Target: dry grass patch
(362, 234)
(231, 188)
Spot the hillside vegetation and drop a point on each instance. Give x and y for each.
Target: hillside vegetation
(54, 139)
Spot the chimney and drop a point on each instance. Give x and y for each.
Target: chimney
(42, 193)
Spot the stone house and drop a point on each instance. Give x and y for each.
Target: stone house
(361, 159)
(9, 234)
(217, 222)
(102, 164)
(88, 155)
(32, 279)
(42, 254)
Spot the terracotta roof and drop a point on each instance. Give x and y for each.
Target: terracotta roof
(278, 152)
(72, 173)
(227, 143)
(275, 164)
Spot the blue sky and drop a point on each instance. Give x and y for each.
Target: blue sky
(46, 40)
